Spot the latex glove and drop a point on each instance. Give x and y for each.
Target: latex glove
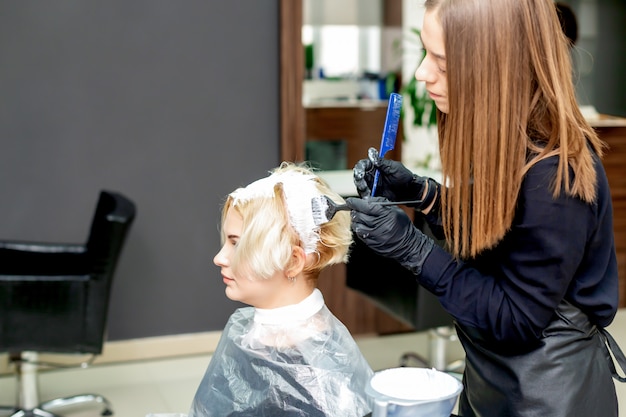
(389, 232)
(396, 182)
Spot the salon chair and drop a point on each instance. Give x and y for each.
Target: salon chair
(395, 290)
(54, 299)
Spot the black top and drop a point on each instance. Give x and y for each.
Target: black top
(555, 248)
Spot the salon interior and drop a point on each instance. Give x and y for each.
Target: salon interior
(165, 109)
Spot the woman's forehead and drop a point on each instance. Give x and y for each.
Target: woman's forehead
(233, 223)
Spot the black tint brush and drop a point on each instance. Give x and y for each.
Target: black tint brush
(324, 209)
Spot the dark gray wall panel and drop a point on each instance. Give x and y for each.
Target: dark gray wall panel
(173, 103)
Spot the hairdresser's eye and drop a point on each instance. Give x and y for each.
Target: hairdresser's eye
(441, 70)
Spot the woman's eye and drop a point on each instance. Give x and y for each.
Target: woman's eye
(232, 241)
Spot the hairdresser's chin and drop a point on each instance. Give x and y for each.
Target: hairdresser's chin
(440, 101)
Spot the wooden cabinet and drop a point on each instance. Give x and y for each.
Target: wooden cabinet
(613, 132)
(360, 126)
(359, 314)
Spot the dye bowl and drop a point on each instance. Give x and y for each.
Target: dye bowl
(413, 392)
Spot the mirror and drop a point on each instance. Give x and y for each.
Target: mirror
(352, 62)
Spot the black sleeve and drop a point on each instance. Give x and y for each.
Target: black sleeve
(510, 293)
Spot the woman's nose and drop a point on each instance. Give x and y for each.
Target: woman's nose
(220, 258)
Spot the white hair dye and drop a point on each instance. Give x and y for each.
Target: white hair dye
(299, 189)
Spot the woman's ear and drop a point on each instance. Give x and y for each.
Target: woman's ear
(297, 262)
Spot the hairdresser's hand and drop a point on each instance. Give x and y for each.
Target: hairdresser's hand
(396, 182)
(388, 231)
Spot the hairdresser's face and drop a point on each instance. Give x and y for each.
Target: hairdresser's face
(432, 70)
(257, 292)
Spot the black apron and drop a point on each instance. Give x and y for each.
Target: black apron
(569, 375)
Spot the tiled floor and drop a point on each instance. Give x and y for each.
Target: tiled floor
(167, 386)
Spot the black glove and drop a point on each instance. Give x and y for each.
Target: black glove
(396, 182)
(389, 232)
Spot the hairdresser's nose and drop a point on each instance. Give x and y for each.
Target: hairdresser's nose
(425, 72)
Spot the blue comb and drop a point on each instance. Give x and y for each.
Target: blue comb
(388, 142)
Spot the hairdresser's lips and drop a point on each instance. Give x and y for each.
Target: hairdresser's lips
(226, 279)
(434, 96)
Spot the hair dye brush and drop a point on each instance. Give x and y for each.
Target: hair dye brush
(324, 209)
(388, 141)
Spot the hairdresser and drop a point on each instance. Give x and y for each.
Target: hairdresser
(529, 270)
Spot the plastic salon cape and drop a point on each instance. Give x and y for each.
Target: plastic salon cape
(297, 360)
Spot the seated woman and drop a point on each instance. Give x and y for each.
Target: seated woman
(287, 354)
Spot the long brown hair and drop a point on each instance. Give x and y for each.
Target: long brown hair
(511, 104)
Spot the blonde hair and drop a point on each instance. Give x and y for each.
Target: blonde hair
(511, 104)
(268, 238)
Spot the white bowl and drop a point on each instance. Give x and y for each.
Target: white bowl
(415, 392)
